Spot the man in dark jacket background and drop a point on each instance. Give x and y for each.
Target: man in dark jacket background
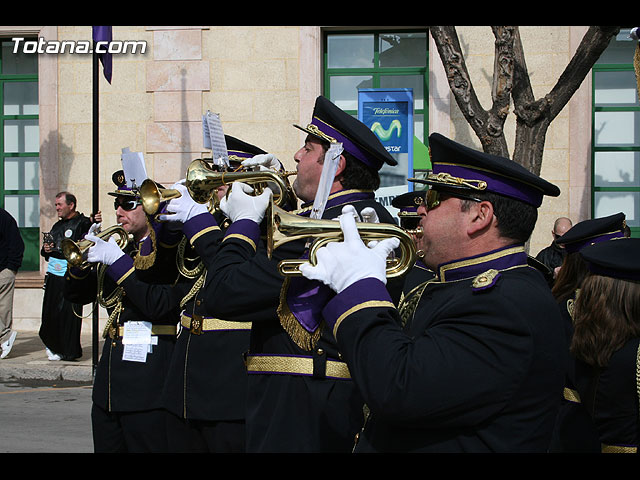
(553, 255)
(11, 252)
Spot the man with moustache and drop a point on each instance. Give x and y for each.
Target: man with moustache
(479, 366)
(300, 394)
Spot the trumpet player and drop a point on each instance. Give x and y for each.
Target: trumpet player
(205, 387)
(480, 365)
(127, 413)
(301, 397)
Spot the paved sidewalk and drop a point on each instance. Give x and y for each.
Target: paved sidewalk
(28, 360)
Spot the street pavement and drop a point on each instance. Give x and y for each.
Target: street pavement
(46, 405)
(28, 360)
(45, 416)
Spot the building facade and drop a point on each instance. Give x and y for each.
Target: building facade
(263, 79)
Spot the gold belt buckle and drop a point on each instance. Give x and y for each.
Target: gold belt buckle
(196, 324)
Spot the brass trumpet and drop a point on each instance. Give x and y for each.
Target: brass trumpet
(75, 252)
(152, 195)
(202, 182)
(284, 227)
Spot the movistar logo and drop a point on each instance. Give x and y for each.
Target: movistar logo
(386, 134)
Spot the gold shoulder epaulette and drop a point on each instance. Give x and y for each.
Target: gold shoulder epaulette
(485, 280)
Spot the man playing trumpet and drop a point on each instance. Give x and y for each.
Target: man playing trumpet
(300, 394)
(479, 366)
(205, 386)
(127, 413)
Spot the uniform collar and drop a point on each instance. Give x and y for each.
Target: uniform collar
(342, 197)
(500, 259)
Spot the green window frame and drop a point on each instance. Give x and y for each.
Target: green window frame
(377, 72)
(604, 156)
(30, 234)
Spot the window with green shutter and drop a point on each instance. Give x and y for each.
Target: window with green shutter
(20, 146)
(616, 133)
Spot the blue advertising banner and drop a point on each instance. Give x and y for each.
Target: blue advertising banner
(388, 112)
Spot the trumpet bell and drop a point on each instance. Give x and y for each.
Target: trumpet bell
(152, 195)
(75, 252)
(198, 181)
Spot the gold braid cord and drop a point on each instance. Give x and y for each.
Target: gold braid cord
(112, 301)
(198, 272)
(194, 289)
(301, 337)
(180, 262)
(570, 307)
(144, 262)
(407, 306)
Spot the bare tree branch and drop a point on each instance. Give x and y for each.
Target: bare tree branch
(511, 80)
(594, 42)
(487, 124)
(502, 78)
(446, 39)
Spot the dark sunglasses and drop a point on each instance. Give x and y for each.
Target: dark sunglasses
(434, 197)
(127, 205)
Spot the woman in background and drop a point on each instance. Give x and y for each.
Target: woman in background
(606, 340)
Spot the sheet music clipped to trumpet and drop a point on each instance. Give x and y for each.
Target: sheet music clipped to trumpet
(213, 138)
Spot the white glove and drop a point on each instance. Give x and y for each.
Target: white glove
(340, 264)
(369, 215)
(94, 229)
(184, 207)
(103, 252)
(266, 161)
(241, 205)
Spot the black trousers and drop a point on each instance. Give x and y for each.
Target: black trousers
(203, 436)
(61, 320)
(129, 432)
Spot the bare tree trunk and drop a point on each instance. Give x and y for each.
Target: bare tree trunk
(511, 79)
(488, 125)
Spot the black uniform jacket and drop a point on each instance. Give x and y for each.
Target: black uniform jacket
(575, 431)
(194, 389)
(207, 378)
(478, 369)
(610, 395)
(419, 274)
(300, 395)
(125, 385)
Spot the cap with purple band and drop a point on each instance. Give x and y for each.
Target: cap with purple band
(408, 202)
(459, 167)
(589, 232)
(333, 125)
